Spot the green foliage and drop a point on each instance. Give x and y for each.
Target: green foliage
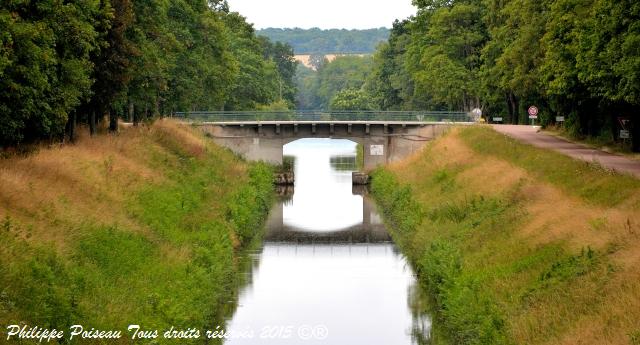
(251, 199)
(360, 156)
(288, 163)
(396, 201)
(571, 58)
(390, 83)
(351, 99)
(318, 88)
(77, 61)
(466, 309)
(45, 67)
(114, 252)
(634, 338)
(333, 41)
(573, 266)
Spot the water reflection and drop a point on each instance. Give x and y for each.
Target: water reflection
(327, 260)
(322, 200)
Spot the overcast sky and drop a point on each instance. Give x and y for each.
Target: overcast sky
(325, 14)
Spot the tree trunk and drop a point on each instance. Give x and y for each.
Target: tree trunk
(509, 109)
(512, 102)
(156, 108)
(131, 109)
(71, 127)
(113, 121)
(92, 123)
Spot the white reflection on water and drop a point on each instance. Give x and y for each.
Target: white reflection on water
(356, 283)
(359, 292)
(322, 200)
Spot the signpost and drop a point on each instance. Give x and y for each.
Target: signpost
(559, 118)
(625, 133)
(497, 119)
(533, 113)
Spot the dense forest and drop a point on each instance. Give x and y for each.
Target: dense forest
(335, 85)
(333, 41)
(74, 62)
(82, 61)
(574, 58)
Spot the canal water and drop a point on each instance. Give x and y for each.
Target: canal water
(327, 272)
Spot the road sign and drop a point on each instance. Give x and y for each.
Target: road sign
(497, 119)
(624, 122)
(559, 118)
(625, 134)
(533, 112)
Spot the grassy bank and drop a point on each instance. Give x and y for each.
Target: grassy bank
(518, 245)
(141, 228)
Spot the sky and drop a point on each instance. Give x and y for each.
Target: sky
(325, 14)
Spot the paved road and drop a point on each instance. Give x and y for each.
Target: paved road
(530, 135)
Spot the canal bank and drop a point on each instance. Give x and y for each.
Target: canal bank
(517, 245)
(327, 271)
(144, 228)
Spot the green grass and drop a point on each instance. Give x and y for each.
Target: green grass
(484, 278)
(179, 270)
(360, 156)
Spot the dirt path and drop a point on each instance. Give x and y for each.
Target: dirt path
(530, 135)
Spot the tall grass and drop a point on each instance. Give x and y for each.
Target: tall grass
(585, 179)
(160, 248)
(503, 269)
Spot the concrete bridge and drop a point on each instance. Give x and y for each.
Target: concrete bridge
(385, 136)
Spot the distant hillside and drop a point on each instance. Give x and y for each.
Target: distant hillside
(334, 41)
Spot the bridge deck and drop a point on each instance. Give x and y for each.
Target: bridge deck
(392, 123)
(330, 117)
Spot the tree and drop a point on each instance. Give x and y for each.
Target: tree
(112, 62)
(44, 65)
(390, 84)
(351, 99)
(319, 87)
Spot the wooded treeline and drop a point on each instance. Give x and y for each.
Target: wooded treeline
(332, 41)
(335, 85)
(81, 61)
(574, 58)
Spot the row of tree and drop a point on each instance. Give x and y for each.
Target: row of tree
(332, 41)
(343, 78)
(574, 58)
(65, 62)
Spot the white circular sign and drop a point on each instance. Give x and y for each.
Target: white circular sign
(477, 112)
(533, 111)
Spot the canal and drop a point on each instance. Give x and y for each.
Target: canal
(327, 271)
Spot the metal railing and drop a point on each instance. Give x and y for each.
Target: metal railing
(367, 116)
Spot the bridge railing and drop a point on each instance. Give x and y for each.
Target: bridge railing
(369, 116)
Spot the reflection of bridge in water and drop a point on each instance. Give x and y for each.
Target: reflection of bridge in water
(371, 230)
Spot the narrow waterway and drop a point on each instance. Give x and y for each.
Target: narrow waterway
(327, 272)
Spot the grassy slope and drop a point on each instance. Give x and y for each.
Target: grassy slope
(518, 245)
(139, 228)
